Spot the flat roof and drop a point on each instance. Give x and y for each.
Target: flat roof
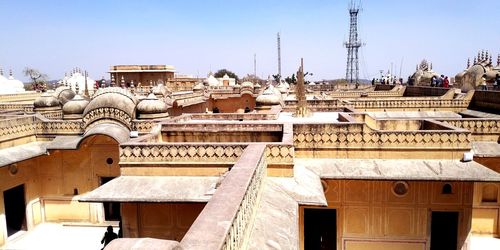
(403, 169)
(141, 68)
(486, 149)
(154, 189)
(22, 152)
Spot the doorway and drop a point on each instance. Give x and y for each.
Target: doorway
(15, 209)
(320, 229)
(444, 230)
(111, 209)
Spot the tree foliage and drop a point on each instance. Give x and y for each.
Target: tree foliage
(38, 79)
(221, 72)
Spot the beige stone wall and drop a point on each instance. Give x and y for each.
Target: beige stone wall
(50, 182)
(371, 216)
(486, 209)
(159, 220)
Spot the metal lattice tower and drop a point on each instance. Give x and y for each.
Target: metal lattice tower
(353, 45)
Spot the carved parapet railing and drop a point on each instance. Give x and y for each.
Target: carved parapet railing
(18, 127)
(53, 115)
(143, 126)
(234, 203)
(17, 97)
(279, 154)
(180, 153)
(481, 128)
(358, 137)
(411, 103)
(59, 127)
(26, 107)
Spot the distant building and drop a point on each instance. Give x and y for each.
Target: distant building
(143, 75)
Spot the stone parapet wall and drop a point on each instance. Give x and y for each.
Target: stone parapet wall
(487, 101)
(20, 97)
(234, 202)
(26, 107)
(482, 129)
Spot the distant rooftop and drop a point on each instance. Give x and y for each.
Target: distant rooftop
(141, 68)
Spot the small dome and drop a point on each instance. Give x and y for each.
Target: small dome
(75, 106)
(64, 94)
(151, 108)
(198, 87)
(46, 100)
(112, 103)
(160, 90)
(212, 81)
(247, 85)
(225, 77)
(78, 79)
(269, 97)
(10, 85)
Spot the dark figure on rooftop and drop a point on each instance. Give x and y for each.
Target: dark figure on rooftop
(109, 235)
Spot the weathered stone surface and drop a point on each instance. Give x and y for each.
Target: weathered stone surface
(154, 189)
(22, 152)
(437, 170)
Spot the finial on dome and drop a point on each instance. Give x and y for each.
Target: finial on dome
(468, 62)
(498, 60)
(475, 60)
(77, 88)
(86, 91)
(1, 71)
(122, 82)
(10, 72)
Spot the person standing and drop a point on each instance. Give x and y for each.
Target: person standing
(109, 235)
(433, 81)
(483, 83)
(496, 84)
(446, 82)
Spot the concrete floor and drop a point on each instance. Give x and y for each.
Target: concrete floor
(57, 236)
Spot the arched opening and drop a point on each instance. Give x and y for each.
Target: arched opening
(447, 189)
(247, 110)
(215, 110)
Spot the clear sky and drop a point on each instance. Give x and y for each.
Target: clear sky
(199, 36)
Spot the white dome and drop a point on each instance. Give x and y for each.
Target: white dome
(212, 81)
(78, 79)
(10, 85)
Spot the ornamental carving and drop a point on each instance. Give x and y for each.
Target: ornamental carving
(107, 113)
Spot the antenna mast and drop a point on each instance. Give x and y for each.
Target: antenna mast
(279, 56)
(353, 45)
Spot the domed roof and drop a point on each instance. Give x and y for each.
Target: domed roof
(46, 100)
(113, 103)
(64, 94)
(247, 85)
(160, 90)
(269, 97)
(225, 77)
(10, 85)
(198, 87)
(152, 107)
(75, 106)
(212, 81)
(77, 78)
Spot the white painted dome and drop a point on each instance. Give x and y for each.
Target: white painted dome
(78, 78)
(11, 85)
(212, 81)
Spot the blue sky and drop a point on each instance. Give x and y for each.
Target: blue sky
(199, 36)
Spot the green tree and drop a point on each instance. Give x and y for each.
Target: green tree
(291, 80)
(38, 79)
(221, 72)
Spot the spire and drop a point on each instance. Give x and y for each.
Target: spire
(77, 88)
(86, 91)
(431, 67)
(10, 72)
(479, 56)
(482, 55)
(1, 70)
(498, 60)
(468, 62)
(486, 56)
(122, 82)
(475, 60)
(490, 60)
(113, 83)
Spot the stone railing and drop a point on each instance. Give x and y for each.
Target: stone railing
(180, 153)
(18, 127)
(26, 96)
(234, 203)
(17, 106)
(59, 127)
(359, 136)
(481, 128)
(53, 115)
(143, 126)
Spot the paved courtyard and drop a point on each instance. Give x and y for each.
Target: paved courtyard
(56, 236)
